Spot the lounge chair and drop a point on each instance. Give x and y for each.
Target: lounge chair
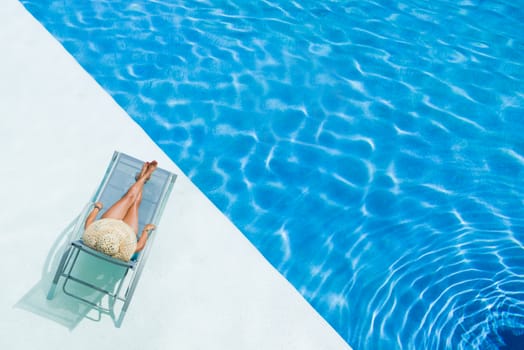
(114, 295)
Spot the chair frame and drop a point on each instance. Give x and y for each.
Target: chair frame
(133, 268)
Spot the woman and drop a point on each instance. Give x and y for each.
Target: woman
(115, 233)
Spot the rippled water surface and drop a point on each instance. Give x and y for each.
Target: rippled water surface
(372, 152)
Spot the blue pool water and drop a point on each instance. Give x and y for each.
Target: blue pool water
(372, 152)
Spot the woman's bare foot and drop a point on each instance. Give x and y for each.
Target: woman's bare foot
(142, 171)
(147, 171)
(150, 169)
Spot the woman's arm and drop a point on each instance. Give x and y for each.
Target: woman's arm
(92, 215)
(143, 237)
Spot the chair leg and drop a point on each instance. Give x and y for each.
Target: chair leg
(59, 271)
(118, 322)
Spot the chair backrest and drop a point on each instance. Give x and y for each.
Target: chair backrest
(121, 175)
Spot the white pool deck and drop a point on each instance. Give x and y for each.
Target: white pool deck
(204, 286)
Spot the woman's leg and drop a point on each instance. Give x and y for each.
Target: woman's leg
(120, 209)
(131, 217)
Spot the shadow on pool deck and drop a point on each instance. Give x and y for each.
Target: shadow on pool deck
(64, 309)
